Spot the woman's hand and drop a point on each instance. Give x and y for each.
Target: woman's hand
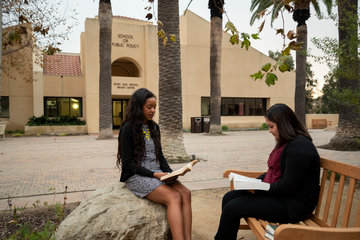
(158, 175)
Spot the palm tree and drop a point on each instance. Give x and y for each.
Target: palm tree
(216, 11)
(170, 94)
(0, 52)
(105, 106)
(348, 131)
(301, 14)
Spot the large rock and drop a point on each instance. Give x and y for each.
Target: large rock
(115, 213)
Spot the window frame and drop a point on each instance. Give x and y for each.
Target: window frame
(7, 107)
(58, 104)
(232, 104)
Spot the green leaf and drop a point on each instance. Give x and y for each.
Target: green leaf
(229, 26)
(172, 37)
(161, 33)
(234, 39)
(245, 43)
(255, 36)
(286, 51)
(270, 79)
(284, 68)
(266, 67)
(165, 39)
(257, 75)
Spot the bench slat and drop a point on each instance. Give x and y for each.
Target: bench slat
(342, 168)
(322, 190)
(349, 203)
(298, 232)
(311, 223)
(357, 221)
(338, 201)
(256, 227)
(329, 197)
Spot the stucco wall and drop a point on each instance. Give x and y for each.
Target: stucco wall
(236, 67)
(333, 118)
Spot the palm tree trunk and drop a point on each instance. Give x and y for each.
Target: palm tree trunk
(347, 135)
(0, 53)
(105, 106)
(300, 95)
(170, 93)
(216, 7)
(301, 15)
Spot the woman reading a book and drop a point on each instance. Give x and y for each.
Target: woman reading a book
(143, 164)
(293, 174)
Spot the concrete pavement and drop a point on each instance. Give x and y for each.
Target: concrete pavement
(39, 168)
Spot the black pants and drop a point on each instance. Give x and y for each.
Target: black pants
(239, 203)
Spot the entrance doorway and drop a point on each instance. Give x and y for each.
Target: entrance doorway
(119, 110)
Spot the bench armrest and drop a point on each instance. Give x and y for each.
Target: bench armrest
(244, 173)
(299, 232)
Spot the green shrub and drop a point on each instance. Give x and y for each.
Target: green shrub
(225, 128)
(57, 121)
(264, 126)
(17, 135)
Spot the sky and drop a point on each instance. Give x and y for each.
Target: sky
(238, 12)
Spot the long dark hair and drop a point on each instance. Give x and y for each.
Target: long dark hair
(135, 116)
(287, 123)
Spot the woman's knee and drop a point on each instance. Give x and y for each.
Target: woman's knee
(174, 198)
(232, 195)
(186, 194)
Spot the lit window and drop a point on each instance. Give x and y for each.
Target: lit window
(63, 106)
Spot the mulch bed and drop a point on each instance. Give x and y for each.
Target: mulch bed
(35, 218)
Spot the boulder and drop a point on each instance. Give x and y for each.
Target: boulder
(115, 213)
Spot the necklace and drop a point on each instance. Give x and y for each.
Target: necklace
(147, 134)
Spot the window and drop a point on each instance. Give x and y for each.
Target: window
(236, 106)
(63, 106)
(205, 106)
(4, 111)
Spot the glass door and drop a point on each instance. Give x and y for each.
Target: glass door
(119, 111)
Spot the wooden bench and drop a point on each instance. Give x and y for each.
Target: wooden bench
(320, 123)
(331, 218)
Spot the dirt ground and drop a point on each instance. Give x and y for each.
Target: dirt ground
(206, 206)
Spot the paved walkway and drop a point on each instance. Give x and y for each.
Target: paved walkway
(35, 168)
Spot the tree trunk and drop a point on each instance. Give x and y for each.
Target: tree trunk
(347, 135)
(0, 54)
(301, 15)
(216, 32)
(301, 32)
(170, 92)
(105, 106)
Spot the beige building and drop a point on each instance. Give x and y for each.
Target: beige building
(68, 84)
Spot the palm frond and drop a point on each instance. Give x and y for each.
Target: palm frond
(278, 4)
(259, 5)
(316, 6)
(328, 4)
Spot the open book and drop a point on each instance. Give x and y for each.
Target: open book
(181, 171)
(245, 183)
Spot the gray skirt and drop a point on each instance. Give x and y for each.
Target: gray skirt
(141, 186)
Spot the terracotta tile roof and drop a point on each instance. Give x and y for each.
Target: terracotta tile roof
(62, 64)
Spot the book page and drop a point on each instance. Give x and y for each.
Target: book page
(246, 183)
(181, 171)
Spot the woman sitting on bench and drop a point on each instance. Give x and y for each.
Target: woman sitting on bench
(293, 174)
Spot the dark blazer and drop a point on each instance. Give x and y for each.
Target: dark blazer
(128, 165)
(300, 173)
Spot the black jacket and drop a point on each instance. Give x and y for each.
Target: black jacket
(299, 182)
(128, 165)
